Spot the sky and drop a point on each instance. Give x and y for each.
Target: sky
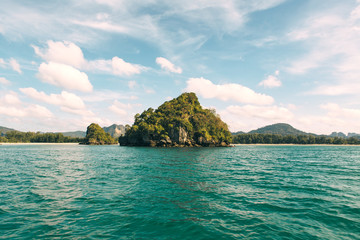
(66, 64)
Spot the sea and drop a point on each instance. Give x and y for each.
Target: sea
(241, 192)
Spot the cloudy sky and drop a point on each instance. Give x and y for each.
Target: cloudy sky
(65, 64)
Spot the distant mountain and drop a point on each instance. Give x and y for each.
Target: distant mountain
(236, 133)
(75, 134)
(357, 135)
(279, 128)
(4, 130)
(338, 134)
(115, 130)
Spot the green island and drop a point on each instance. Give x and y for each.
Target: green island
(178, 123)
(95, 135)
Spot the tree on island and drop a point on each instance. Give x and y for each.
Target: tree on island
(95, 135)
(179, 122)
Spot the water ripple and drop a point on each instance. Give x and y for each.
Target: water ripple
(245, 192)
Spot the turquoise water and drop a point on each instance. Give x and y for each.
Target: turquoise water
(244, 192)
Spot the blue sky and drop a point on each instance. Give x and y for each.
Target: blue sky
(66, 64)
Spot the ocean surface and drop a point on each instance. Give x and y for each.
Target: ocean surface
(243, 192)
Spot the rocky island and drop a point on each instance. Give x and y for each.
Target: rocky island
(95, 135)
(181, 122)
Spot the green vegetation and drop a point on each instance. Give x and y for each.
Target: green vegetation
(95, 135)
(256, 138)
(279, 128)
(32, 137)
(179, 122)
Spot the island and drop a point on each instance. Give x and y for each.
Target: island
(181, 122)
(95, 135)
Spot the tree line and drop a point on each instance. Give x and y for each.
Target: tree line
(256, 138)
(32, 137)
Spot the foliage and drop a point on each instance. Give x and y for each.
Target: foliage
(95, 135)
(184, 112)
(32, 137)
(256, 138)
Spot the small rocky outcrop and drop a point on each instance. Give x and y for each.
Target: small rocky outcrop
(181, 122)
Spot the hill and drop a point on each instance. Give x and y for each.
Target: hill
(75, 134)
(179, 122)
(337, 134)
(279, 128)
(4, 130)
(236, 133)
(115, 130)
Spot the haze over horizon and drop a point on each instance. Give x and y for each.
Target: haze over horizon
(66, 64)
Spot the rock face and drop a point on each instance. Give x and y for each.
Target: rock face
(181, 122)
(115, 130)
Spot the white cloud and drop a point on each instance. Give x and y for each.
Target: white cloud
(103, 25)
(68, 53)
(122, 68)
(250, 117)
(62, 52)
(119, 108)
(271, 81)
(331, 38)
(68, 102)
(38, 111)
(82, 112)
(273, 113)
(125, 111)
(11, 106)
(11, 98)
(149, 90)
(15, 65)
(227, 92)
(4, 81)
(334, 110)
(335, 119)
(65, 99)
(101, 65)
(131, 84)
(12, 63)
(86, 21)
(336, 89)
(107, 95)
(311, 61)
(64, 76)
(167, 65)
(12, 111)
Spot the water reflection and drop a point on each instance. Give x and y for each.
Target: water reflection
(59, 180)
(180, 180)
